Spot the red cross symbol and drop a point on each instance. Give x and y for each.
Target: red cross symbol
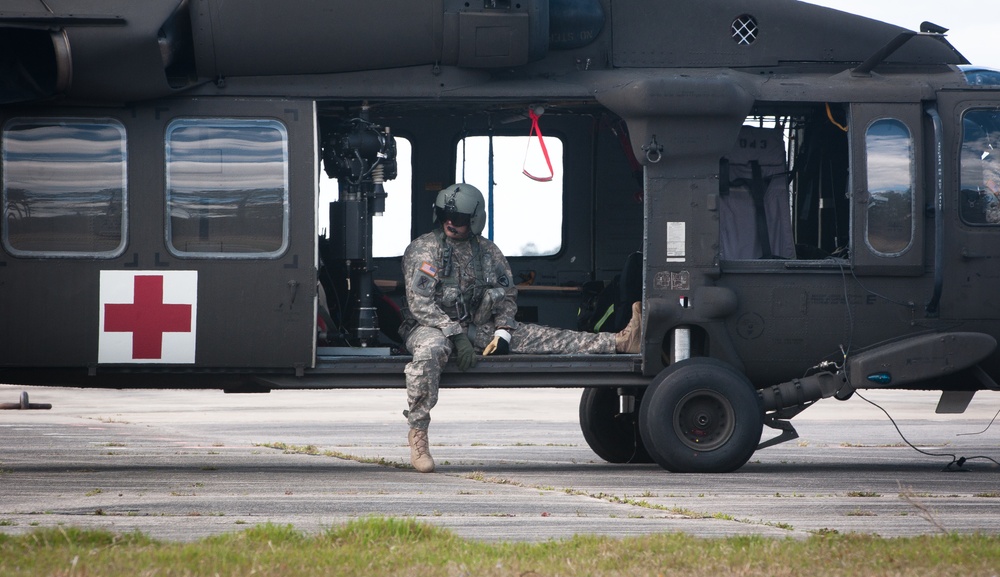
(147, 318)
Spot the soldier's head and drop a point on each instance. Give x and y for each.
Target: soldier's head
(461, 210)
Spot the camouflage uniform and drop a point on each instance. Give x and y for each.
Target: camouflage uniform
(444, 298)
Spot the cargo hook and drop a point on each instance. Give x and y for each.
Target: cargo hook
(654, 150)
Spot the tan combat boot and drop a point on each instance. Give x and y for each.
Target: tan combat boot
(420, 453)
(628, 340)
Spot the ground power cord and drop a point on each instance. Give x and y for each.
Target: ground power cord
(956, 463)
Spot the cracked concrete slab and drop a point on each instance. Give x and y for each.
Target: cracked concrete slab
(512, 465)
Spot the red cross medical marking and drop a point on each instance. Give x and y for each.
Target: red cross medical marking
(147, 318)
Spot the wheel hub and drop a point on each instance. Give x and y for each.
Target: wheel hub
(704, 420)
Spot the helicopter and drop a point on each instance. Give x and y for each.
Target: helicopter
(206, 194)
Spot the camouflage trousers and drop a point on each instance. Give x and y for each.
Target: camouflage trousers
(431, 349)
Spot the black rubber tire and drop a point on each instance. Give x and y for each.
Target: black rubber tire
(612, 435)
(701, 415)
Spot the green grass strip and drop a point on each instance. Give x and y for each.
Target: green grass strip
(405, 547)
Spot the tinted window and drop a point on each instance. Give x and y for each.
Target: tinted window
(227, 187)
(64, 183)
(890, 209)
(527, 213)
(977, 76)
(980, 170)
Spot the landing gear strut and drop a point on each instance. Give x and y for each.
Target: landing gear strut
(609, 419)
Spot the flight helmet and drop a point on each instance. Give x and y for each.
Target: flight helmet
(460, 202)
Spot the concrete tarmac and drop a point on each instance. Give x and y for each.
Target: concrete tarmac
(512, 465)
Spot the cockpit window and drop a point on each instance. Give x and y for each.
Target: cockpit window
(64, 186)
(977, 76)
(890, 208)
(980, 167)
(227, 188)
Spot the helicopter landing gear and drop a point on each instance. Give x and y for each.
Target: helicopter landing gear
(613, 433)
(701, 416)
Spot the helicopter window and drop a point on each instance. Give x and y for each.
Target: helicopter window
(980, 170)
(890, 208)
(227, 187)
(977, 76)
(391, 229)
(64, 183)
(517, 198)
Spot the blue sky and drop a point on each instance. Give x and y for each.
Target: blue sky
(973, 25)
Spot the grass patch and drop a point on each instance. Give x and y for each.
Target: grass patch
(313, 450)
(391, 546)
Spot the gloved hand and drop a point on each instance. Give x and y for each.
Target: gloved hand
(500, 345)
(464, 352)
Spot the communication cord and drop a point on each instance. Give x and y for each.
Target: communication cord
(957, 461)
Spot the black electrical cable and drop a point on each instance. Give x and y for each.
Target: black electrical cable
(907, 305)
(955, 459)
(850, 314)
(984, 430)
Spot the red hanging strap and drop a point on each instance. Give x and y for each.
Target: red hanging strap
(545, 151)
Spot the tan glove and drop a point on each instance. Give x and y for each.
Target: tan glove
(500, 345)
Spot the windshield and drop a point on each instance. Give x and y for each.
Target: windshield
(979, 76)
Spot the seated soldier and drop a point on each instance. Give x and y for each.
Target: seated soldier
(460, 297)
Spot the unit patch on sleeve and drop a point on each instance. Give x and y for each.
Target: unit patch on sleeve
(425, 281)
(424, 284)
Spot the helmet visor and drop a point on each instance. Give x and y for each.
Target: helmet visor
(456, 218)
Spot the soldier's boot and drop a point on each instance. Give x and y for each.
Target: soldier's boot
(420, 453)
(628, 340)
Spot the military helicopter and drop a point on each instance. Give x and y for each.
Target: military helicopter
(805, 201)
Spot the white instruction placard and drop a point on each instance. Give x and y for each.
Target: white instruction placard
(676, 241)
